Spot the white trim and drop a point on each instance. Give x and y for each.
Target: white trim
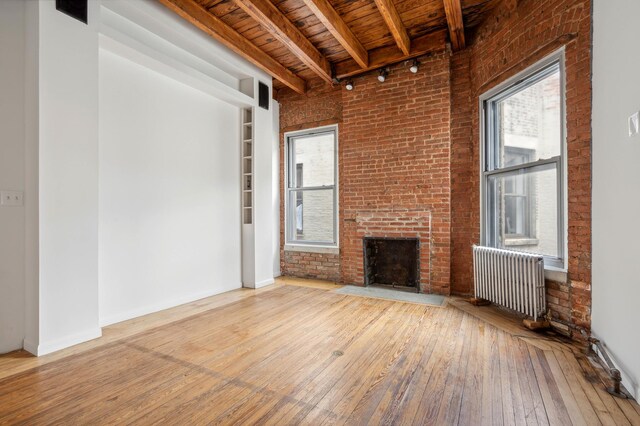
(557, 56)
(260, 284)
(336, 187)
(129, 40)
(265, 283)
(156, 19)
(311, 249)
(63, 343)
(145, 310)
(554, 274)
(30, 347)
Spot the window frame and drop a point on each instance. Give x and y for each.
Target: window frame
(488, 168)
(290, 219)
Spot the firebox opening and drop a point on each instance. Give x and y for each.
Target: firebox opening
(392, 262)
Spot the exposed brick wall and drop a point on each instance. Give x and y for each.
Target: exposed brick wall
(508, 42)
(394, 155)
(413, 142)
(320, 106)
(463, 171)
(321, 266)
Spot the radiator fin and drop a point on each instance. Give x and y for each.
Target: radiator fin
(511, 279)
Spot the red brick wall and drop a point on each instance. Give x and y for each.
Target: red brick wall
(413, 143)
(394, 152)
(393, 156)
(464, 229)
(321, 266)
(320, 106)
(508, 42)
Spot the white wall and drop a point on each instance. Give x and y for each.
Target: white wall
(176, 213)
(263, 197)
(12, 163)
(68, 177)
(169, 192)
(275, 200)
(616, 179)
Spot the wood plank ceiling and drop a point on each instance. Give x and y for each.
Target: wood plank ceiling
(300, 40)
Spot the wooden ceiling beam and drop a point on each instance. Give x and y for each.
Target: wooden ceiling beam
(339, 29)
(272, 20)
(214, 27)
(453, 11)
(388, 55)
(392, 18)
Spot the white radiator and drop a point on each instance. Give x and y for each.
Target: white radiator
(511, 279)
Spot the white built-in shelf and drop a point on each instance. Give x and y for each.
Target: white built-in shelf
(247, 166)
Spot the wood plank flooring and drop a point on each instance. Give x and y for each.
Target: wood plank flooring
(296, 354)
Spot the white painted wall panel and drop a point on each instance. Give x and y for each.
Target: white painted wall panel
(616, 179)
(169, 192)
(67, 178)
(12, 163)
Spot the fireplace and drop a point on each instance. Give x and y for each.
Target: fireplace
(393, 262)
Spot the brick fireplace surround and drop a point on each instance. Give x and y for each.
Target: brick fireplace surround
(411, 146)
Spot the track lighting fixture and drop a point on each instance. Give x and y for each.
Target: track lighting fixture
(414, 66)
(382, 74)
(349, 85)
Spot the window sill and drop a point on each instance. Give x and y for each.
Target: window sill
(555, 274)
(311, 248)
(512, 242)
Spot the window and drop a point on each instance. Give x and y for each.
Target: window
(522, 163)
(311, 215)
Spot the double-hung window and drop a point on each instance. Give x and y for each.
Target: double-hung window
(311, 193)
(522, 163)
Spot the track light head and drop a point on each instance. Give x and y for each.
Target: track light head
(349, 85)
(414, 66)
(382, 74)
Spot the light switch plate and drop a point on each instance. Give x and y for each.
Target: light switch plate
(634, 124)
(11, 198)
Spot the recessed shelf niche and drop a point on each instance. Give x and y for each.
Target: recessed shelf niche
(247, 166)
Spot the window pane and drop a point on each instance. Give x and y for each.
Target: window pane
(313, 215)
(524, 213)
(313, 158)
(529, 125)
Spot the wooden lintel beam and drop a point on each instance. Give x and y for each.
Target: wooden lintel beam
(213, 26)
(392, 18)
(388, 55)
(339, 29)
(453, 11)
(272, 20)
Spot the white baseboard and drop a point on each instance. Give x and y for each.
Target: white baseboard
(63, 343)
(260, 284)
(145, 310)
(265, 283)
(30, 347)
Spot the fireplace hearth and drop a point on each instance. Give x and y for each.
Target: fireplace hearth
(392, 262)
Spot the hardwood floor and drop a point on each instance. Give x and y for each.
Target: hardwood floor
(304, 354)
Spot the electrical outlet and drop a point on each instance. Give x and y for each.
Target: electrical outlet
(11, 198)
(634, 124)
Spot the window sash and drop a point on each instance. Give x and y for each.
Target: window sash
(291, 141)
(490, 149)
(292, 190)
(492, 117)
(292, 230)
